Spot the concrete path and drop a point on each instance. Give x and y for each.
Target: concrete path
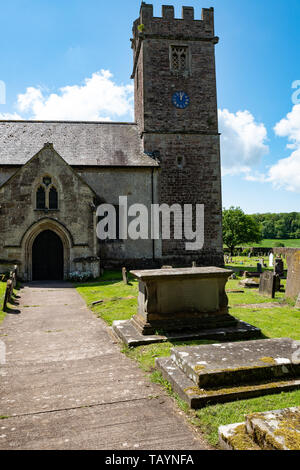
(66, 385)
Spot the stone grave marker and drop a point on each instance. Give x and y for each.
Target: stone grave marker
(124, 275)
(279, 268)
(293, 277)
(259, 267)
(221, 372)
(183, 303)
(267, 284)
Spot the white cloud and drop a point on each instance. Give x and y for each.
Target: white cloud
(286, 172)
(290, 127)
(243, 141)
(10, 117)
(99, 98)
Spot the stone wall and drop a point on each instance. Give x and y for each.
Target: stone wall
(187, 140)
(20, 221)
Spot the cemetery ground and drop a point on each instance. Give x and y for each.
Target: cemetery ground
(110, 299)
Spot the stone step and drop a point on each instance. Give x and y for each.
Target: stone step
(240, 363)
(275, 430)
(271, 430)
(130, 334)
(199, 397)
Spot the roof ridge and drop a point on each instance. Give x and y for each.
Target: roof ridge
(67, 122)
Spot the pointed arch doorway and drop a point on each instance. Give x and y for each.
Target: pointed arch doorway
(47, 257)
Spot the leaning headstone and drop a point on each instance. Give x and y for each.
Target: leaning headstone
(279, 268)
(124, 275)
(267, 284)
(293, 278)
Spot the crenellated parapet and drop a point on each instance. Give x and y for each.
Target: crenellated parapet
(187, 25)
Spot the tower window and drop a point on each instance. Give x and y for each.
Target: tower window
(180, 162)
(53, 198)
(41, 198)
(179, 58)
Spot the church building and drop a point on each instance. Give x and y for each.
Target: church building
(54, 174)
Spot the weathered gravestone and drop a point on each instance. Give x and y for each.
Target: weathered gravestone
(279, 267)
(259, 267)
(228, 371)
(267, 285)
(124, 276)
(270, 430)
(271, 260)
(293, 277)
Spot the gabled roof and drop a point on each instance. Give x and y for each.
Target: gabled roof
(79, 143)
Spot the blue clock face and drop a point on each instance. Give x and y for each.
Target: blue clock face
(180, 99)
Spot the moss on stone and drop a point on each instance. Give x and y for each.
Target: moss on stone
(289, 429)
(199, 368)
(240, 440)
(268, 360)
(229, 390)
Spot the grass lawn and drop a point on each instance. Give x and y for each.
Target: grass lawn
(282, 321)
(2, 293)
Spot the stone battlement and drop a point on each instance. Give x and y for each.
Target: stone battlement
(187, 22)
(187, 14)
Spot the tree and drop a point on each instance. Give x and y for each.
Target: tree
(239, 228)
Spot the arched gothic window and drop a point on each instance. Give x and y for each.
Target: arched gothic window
(41, 198)
(53, 198)
(46, 195)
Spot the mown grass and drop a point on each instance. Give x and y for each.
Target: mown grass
(282, 321)
(119, 301)
(2, 293)
(270, 243)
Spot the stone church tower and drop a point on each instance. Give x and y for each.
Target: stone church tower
(176, 112)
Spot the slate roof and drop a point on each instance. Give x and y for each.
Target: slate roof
(79, 143)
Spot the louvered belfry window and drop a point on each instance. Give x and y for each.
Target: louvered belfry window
(179, 58)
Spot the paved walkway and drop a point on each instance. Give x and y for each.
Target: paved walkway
(66, 385)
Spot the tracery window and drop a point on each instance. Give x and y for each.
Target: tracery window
(53, 198)
(41, 198)
(46, 195)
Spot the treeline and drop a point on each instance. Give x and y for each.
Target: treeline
(279, 226)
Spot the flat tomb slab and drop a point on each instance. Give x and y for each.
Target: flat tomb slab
(198, 397)
(239, 363)
(275, 430)
(127, 332)
(270, 430)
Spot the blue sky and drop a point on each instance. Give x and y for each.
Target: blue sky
(51, 44)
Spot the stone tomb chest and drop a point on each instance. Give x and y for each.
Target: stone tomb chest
(184, 303)
(175, 299)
